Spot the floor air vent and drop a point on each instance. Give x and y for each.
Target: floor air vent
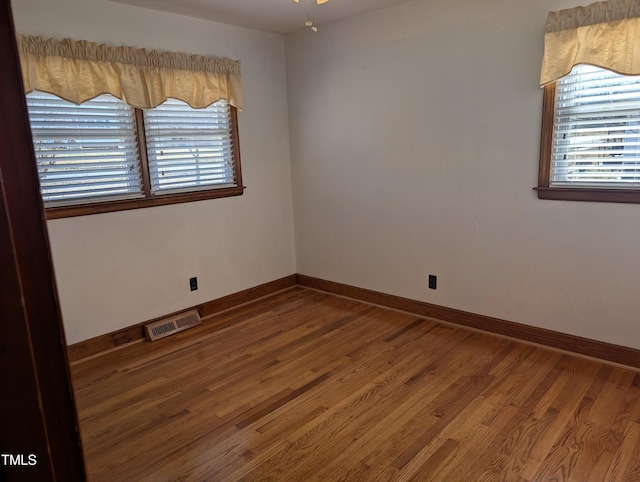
(173, 324)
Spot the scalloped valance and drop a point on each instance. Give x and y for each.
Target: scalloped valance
(604, 34)
(78, 70)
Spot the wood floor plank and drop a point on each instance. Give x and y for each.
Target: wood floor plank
(329, 431)
(625, 466)
(563, 406)
(303, 385)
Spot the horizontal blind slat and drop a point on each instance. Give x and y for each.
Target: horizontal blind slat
(223, 173)
(183, 177)
(204, 144)
(216, 156)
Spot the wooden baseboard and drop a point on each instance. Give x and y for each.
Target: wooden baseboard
(101, 343)
(541, 336)
(575, 344)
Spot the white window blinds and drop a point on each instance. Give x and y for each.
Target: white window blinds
(596, 130)
(189, 148)
(84, 153)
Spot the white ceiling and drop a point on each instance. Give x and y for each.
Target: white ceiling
(279, 16)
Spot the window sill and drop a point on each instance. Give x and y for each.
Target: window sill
(126, 204)
(589, 195)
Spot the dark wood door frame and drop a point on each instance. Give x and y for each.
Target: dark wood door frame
(39, 437)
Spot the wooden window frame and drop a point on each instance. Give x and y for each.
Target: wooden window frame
(150, 199)
(588, 194)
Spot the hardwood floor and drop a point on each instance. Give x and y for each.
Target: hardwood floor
(304, 386)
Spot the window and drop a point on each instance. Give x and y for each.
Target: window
(105, 155)
(590, 147)
(189, 148)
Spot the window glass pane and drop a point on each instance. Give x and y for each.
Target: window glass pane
(85, 153)
(596, 138)
(189, 148)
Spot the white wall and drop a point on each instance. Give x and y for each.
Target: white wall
(114, 270)
(414, 140)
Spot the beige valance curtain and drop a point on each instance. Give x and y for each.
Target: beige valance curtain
(77, 71)
(604, 34)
